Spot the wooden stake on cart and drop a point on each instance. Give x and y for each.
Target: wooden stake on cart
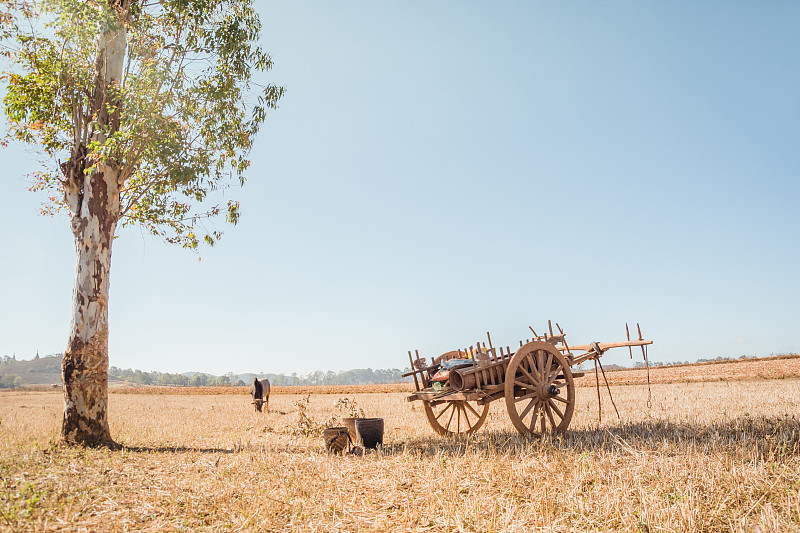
(647, 365)
(563, 340)
(628, 334)
(493, 372)
(424, 379)
(491, 368)
(473, 353)
(416, 383)
(484, 362)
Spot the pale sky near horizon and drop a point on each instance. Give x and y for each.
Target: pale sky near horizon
(437, 170)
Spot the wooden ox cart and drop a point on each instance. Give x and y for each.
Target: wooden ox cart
(536, 381)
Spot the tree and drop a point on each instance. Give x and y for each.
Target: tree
(152, 107)
(9, 381)
(199, 380)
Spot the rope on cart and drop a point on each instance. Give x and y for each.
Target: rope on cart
(649, 392)
(609, 389)
(599, 405)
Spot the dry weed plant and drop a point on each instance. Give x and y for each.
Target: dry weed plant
(717, 456)
(347, 408)
(306, 425)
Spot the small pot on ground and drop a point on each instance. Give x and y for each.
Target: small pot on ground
(370, 431)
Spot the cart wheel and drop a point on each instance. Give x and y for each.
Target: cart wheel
(455, 417)
(540, 390)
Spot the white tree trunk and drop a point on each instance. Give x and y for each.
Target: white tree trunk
(94, 203)
(85, 365)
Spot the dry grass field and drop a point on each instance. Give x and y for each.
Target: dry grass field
(707, 456)
(747, 369)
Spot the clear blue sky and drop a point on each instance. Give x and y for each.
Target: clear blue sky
(440, 169)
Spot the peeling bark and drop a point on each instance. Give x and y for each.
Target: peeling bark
(85, 365)
(94, 202)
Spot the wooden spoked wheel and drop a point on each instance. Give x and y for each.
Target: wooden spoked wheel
(539, 390)
(455, 417)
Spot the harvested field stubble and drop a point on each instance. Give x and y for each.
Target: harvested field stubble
(749, 369)
(717, 456)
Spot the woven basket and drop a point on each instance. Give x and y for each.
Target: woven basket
(336, 439)
(370, 431)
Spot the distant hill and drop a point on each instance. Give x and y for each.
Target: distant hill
(42, 371)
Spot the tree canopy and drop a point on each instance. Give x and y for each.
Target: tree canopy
(184, 114)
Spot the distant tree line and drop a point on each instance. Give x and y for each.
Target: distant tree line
(361, 376)
(174, 380)
(358, 376)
